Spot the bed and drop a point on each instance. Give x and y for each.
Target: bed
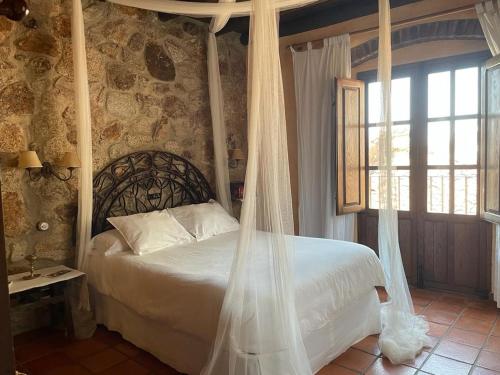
(168, 302)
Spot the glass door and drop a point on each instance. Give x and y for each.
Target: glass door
(436, 113)
(452, 141)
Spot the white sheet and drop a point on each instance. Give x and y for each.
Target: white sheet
(184, 286)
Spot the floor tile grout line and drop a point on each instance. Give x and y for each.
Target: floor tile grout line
(420, 368)
(490, 334)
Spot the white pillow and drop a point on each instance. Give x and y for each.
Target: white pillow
(109, 242)
(152, 231)
(205, 220)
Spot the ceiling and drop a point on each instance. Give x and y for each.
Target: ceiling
(320, 14)
(323, 13)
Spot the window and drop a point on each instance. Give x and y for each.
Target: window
(452, 141)
(401, 116)
(435, 112)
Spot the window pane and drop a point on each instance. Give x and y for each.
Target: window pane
(373, 145)
(400, 145)
(374, 186)
(438, 190)
(439, 95)
(400, 99)
(466, 191)
(466, 142)
(400, 189)
(374, 103)
(466, 91)
(438, 143)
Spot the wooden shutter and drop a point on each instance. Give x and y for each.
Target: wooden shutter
(350, 145)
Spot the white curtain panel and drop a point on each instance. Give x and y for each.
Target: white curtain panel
(404, 334)
(314, 72)
(83, 323)
(488, 13)
(205, 9)
(218, 127)
(84, 135)
(258, 332)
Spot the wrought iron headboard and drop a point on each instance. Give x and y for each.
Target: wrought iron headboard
(143, 182)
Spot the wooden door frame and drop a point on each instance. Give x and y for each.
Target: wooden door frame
(418, 158)
(6, 345)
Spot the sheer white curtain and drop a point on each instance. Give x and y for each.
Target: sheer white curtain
(218, 126)
(84, 134)
(403, 334)
(488, 13)
(489, 16)
(82, 318)
(258, 332)
(314, 72)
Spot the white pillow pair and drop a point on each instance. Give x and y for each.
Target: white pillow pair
(153, 231)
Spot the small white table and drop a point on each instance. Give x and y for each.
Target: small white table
(54, 291)
(20, 285)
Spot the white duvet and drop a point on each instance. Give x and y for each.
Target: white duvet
(184, 286)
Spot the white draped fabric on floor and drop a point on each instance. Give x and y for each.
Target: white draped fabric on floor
(404, 334)
(489, 17)
(258, 332)
(315, 71)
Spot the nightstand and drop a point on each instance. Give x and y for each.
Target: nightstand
(47, 290)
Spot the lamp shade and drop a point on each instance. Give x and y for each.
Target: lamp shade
(28, 159)
(69, 160)
(236, 154)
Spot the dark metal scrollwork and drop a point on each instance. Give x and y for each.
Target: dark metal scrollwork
(143, 182)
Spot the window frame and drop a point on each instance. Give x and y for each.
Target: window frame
(371, 77)
(418, 167)
(452, 119)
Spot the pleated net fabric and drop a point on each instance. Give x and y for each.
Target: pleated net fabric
(222, 188)
(258, 332)
(488, 13)
(84, 139)
(83, 323)
(404, 334)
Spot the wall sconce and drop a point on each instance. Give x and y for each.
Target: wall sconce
(29, 160)
(14, 10)
(235, 156)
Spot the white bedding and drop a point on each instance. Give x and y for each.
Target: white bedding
(184, 286)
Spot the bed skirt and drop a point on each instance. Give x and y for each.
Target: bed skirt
(188, 354)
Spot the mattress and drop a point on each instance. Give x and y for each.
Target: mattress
(183, 286)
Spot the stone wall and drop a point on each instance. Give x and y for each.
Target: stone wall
(148, 88)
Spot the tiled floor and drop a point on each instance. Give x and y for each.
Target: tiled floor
(465, 334)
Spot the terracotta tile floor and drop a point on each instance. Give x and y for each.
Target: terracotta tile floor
(465, 334)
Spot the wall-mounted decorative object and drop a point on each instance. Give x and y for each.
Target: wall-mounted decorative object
(29, 160)
(237, 190)
(14, 10)
(235, 156)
